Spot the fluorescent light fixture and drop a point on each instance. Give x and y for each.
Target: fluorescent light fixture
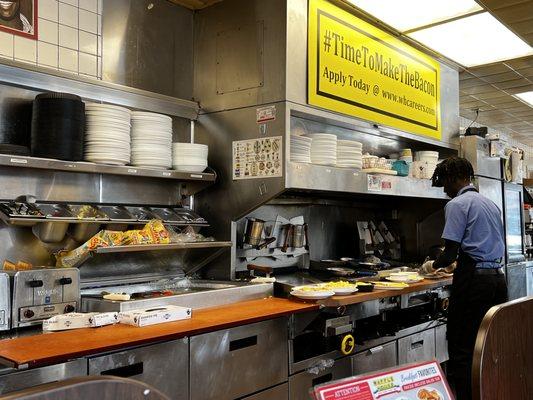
(474, 40)
(405, 15)
(526, 97)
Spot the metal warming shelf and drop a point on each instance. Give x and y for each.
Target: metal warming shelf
(149, 247)
(72, 166)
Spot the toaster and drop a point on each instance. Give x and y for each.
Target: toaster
(39, 294)
(5, 302)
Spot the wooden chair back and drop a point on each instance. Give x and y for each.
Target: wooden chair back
(89, 388)
(503, 356)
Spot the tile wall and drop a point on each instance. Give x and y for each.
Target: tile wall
(70, 38)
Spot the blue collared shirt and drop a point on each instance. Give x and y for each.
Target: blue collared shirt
(475, 221)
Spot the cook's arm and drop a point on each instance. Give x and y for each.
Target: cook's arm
(448, 256)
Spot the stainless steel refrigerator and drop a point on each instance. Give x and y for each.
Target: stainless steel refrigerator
(509, 198)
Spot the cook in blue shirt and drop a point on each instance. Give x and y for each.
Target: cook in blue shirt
(474, 246)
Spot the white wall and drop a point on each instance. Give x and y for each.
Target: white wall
(70, 38)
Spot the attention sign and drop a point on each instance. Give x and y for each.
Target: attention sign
(415, 382)
(360, 70)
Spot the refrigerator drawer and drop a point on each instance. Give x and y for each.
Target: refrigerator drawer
(441, 344)
(302, 382)
(280, 392)
(19, 380)
(375, 359)
(416, 348)
(235, 362)
(163, 366)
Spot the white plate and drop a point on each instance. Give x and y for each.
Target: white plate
(314, 136)
(404, 280)
(345, 291)
(189, 168)
(350, 143)
(323, 294)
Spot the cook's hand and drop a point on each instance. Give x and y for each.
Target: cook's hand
(427, 267)
(450, 268)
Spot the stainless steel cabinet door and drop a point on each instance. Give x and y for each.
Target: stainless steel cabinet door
(235, 362)
(529, 281)
(441, 344)
(379, 357)
(163, 366)
(301, 383)
(417, 347)
(20, 380)
(280, 392)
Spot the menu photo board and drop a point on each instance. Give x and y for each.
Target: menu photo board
(424, 381)
(357, 69)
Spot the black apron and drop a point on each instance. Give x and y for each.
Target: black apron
(471, 297)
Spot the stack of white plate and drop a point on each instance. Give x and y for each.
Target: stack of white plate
(323, 148)
(107, 134)
(301, 149)
(349, 154)
(190, 157)
(151, 140)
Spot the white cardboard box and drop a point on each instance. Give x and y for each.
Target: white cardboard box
(154, 315)
(68, 321)
(79, 320)
(103, 319)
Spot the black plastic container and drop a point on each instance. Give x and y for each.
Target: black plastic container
(58, 126)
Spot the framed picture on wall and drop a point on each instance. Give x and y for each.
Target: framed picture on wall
(19, 17)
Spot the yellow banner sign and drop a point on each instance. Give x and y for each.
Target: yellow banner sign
(360, 70)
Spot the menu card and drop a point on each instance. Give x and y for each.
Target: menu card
(411, 382)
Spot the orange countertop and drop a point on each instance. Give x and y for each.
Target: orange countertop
(55, 347)
(361, 297)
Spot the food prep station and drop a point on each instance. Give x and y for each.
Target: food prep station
(303, 224)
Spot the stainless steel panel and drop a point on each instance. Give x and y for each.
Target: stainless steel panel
(148, 44)
(235, 362)
(5, 302)
(163, 366)
(491, 188)
(416, 348)
(219, 294)
(30, 77)
(513, 215)
(516, 280)
(476, 150)
(441, 344)
(529, 281)
(19, 380)
(215, 22)
(239, 58)
(375, 359)
(280, 392)
(301, 383)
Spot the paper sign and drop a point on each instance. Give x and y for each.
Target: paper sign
(374, 183)
(413, 382)
(257, 158)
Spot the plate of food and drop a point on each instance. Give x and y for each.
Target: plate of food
(390, 285)
(341, 288)
(438, 274)
(312, 292)
(429, 394)
(405, 277)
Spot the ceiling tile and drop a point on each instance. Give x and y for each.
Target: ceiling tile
(490, 69)
(519, 89)
(519, 63)
(503, 77)
(489, 95)
(512, 84)
(483, 88)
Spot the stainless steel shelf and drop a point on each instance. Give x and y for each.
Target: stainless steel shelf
(345, 180)
(150, 247)
(87, 167)
(32, 77)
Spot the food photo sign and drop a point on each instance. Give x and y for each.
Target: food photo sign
(412, 382)
(19, 17)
